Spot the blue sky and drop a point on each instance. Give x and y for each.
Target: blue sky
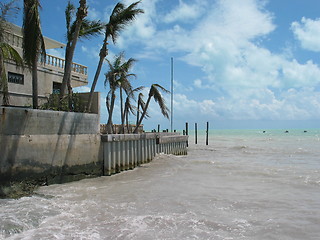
(237, 64)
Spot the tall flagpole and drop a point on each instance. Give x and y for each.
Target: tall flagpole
(172, 94)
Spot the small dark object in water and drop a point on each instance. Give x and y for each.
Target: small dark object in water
(305, 131)
(264, 131)
(287, 131)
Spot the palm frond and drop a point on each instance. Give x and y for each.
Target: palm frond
(121, 16)
(142, 103)
(69, 13)
(9, 53)
(7, 9)
(91, 28)
(33, 42)
(154, 91)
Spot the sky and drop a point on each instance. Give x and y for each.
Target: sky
(237, 63)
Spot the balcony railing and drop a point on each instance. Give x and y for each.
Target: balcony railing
(16, 41)
(13, 39)
(59, 63)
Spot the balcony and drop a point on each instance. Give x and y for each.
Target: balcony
(79, 73)
(52, 64)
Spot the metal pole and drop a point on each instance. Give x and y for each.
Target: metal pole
(196, 133)
(207, 134)
(171, 94)
(187, 133)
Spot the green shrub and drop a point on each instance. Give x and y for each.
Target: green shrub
(69, 103)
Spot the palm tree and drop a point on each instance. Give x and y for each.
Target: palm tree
(120, 17)
(129, 108)
(118, 78)
(73, 31)
(7, 52)
(87, 29)
(156, 95)
(124, 84)
(33, 43)
(110, 99)
(141, 104)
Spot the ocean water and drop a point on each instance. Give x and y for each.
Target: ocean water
(243, 185)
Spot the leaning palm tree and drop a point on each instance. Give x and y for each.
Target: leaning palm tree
(7, 52)
(111, 79)
(156, 95)
(120, 17)
(124, 84)
(118, 77)
(86, 30)
(33, 43)
(142, 105)
(129, 108)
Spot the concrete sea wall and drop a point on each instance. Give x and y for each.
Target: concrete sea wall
(126, 151)
(48, 145)
(55, 147)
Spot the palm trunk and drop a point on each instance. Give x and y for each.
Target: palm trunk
(138, 113)
(35, 83)
(67, 72)
(127, 121)
(103, 54)
(143, 114)
(4, 83)
(109, 123)
(70, 96)
(81, 14)
(121, 111)
(5, 92)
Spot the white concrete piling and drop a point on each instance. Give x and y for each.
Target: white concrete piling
(122, 152)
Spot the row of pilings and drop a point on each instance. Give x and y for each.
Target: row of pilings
(123, 152)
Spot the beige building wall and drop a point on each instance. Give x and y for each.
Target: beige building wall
(49, 73)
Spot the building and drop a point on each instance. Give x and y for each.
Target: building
(50, 73)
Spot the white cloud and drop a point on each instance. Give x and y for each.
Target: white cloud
(224, 45)
(143, 27)
(185, 12)
(308, 33)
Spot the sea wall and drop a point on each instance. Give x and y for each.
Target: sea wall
(126, 151)
(55, 147)
(48, 145)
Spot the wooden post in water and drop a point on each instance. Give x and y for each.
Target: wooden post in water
(207, 134)
(187, 132)
(196, 133)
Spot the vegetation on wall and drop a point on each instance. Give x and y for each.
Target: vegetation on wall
(69, 103)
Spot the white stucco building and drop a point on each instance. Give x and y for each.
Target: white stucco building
(50, 73)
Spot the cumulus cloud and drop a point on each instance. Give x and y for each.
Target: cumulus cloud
(185, 12)
(224, 42)
(308, 33)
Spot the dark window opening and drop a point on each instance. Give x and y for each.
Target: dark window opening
(56, 88)
(15, 78)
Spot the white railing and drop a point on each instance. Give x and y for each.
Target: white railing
(16, 41)
(13, 39)
(59, 63)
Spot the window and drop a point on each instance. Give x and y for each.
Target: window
(56, 88)
(15, 78)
